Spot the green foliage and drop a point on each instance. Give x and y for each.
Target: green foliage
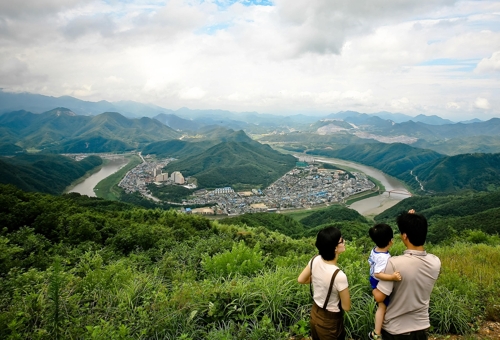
(240, 260)
(238, 162)
(275, 222)
(334, 213)
(44, 173)
(170, 193)
(60, 130)
(393, 159)
(76, 267)
(467, 171)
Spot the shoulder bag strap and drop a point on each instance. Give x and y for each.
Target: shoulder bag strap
(330, 289)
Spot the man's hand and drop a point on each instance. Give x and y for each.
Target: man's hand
(411, 211)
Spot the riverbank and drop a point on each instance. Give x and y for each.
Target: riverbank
(88, 174)
(108, 187)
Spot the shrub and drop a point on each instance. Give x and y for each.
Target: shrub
(240, 260)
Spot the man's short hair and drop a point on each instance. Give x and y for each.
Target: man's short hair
(327, 241)
(414, 226)
(381, 234)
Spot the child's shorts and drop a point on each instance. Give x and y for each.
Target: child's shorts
(374, 283)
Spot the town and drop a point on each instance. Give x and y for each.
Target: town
(305, 186)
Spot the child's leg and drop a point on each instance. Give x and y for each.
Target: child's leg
(379, 317)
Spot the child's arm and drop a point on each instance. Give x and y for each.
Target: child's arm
(396, 276)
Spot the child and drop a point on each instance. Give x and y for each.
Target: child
(382, 235)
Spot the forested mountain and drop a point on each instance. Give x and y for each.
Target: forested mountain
(44, 173)
(441, 132)
(460, 145)
(394, 159)
(239, 162)
(61, 130)
(451, 215)
(478, 171)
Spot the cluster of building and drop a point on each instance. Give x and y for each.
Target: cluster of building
(300, 188)
(303, 187)
(148, 172)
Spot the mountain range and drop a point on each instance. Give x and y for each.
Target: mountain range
(61, 131)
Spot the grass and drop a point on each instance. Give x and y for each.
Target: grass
(108, 187)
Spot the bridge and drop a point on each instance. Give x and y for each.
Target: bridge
(401, 192)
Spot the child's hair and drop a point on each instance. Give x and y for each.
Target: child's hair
(327, 241)
(414, 226)
(381, 234)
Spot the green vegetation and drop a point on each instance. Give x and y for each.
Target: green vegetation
(241, 163)
(470, 171)
(451, 217)
(334, 213)
(44, 173)
(79, 267)
(108, 187)
(177, 148)
(61, 130)
(281, 223)
(462, 145)
(393, 159)
(170, 193)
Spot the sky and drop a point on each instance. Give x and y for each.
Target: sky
(414, 57)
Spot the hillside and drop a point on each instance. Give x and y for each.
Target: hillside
(79, 267)
(238, 162)
(468, 171)
(453, 214)
(461, 145)
(44, 173)
(393, 159)
(61, 129)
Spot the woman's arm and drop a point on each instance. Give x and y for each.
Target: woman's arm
(345, 299)
(305, 276)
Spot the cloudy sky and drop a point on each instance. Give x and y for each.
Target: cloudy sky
(271, 56)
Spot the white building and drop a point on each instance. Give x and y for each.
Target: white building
(162, 177)
(177, 177)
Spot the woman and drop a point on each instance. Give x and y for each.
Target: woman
(331, 292)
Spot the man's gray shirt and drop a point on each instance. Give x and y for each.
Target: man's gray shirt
(409, 307)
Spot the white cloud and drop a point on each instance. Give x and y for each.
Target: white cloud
(482, 103)
(489, 64)
(192, 93)
(296, 56)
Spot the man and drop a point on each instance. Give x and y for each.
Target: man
(407, 316)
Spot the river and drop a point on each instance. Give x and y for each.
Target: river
(373, 205)
(87, 186)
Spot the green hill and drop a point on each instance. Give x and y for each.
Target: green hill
(239, 162)
(393, 159)
(60, 129)
(44, 173)
(450, 215)
(334, 213)
(468, 171)
(90, 145)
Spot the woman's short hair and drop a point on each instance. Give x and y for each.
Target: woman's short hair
(327, 241)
